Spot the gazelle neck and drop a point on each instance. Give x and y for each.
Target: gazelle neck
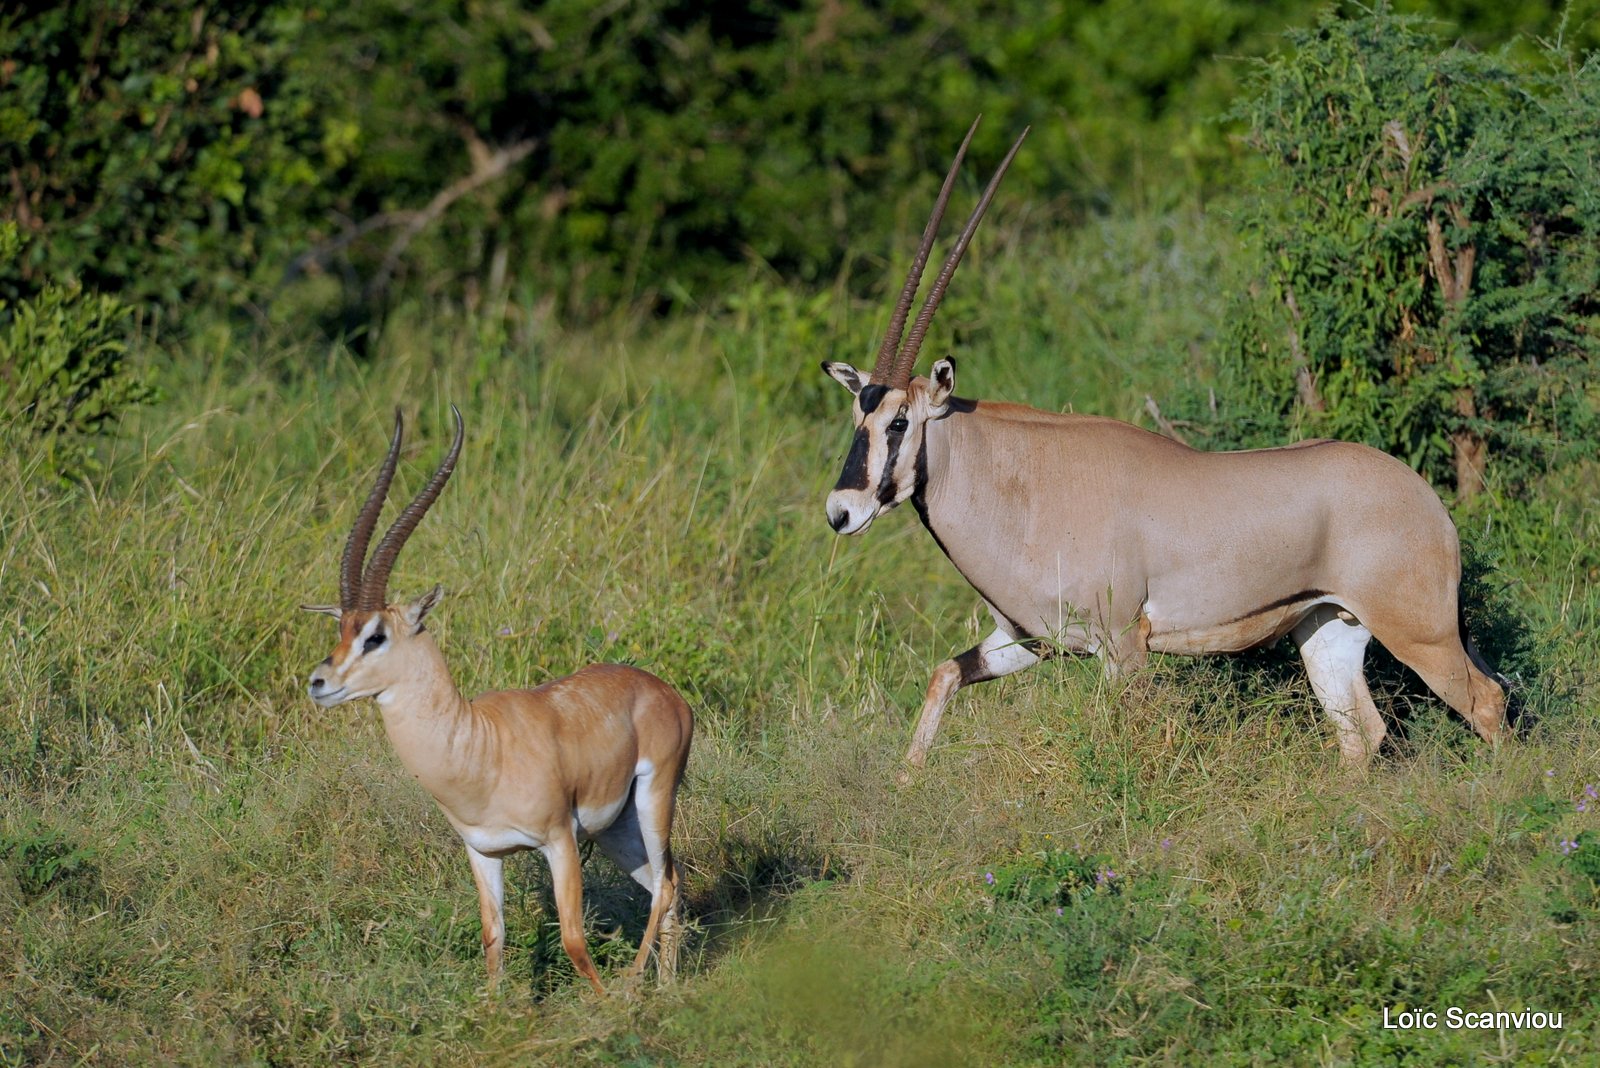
(430, 722)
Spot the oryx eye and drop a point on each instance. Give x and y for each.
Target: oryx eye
(899, 425)
(373, 641)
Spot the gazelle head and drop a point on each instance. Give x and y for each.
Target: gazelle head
(891, 408)
(371, 654)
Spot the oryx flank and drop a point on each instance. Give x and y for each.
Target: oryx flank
(1093, 535)
(597, 754)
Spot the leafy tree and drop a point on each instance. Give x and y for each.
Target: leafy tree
(153, 150)
(1427, 238)
(168, 152)
(575, 152)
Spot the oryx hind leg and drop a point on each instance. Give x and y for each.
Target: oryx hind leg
(1001, 653)
(1451, 670)
(1333, 645)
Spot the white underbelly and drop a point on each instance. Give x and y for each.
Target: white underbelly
(1193, 634)
(492, 841)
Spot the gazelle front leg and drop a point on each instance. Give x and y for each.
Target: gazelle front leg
(488, 873)
(566, 875)
(997, 655)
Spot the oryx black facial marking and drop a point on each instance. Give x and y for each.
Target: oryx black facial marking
(887, 490)
(871, 396)
(854, 475)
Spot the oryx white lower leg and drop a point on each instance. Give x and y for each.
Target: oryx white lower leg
(1334, 650)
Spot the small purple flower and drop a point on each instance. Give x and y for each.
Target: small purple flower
(1059, 910)
(611, 636)
(988, 877)
(1568, 846)
(1549, 773)
(1589, 791)
(1583, 804)
(1166, 844)
(1105, 877)
(505, 632)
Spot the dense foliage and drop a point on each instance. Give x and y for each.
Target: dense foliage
(577, 153)
(142, 154)
(62, 370)
(1427, 239)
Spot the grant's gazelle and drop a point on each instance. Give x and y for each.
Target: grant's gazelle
(597, 755)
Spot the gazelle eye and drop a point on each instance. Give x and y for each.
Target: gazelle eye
(372, 642)
(899, 425)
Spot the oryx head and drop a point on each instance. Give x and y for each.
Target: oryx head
(891, 408)
(373, 634)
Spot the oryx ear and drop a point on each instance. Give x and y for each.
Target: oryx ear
(326, 609)
(416, 610)
(844, 374)
(941, 382)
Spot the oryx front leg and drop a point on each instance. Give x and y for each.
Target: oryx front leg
(1333, 646)
(488, 874)
(997, 655)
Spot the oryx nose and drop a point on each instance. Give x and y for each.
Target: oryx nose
(318, 684)
(837, 519)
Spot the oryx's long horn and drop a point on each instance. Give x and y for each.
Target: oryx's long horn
(900, 375)
(375, 582)
(882, 370)
(355, 547)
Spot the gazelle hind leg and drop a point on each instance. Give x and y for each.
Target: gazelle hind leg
(624, 845)
(997, 655)
(1334, 648)
(649, 831)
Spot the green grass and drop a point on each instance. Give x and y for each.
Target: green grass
(199, 866)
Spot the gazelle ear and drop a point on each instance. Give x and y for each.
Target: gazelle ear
(844, 374)
(326, 609)
(416, 610)
(942, 382)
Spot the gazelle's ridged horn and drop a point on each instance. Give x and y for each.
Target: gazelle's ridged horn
(900, 375)
(355, 547)
(882, 370)
(375, 582)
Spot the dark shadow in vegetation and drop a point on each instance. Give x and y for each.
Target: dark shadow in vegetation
(1503, 633)
(755, 877)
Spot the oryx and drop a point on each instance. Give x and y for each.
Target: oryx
(1094, 535)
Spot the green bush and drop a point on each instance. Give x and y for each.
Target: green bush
(1426, 233)
(61, 365)
(515, 156)
(155, 151)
